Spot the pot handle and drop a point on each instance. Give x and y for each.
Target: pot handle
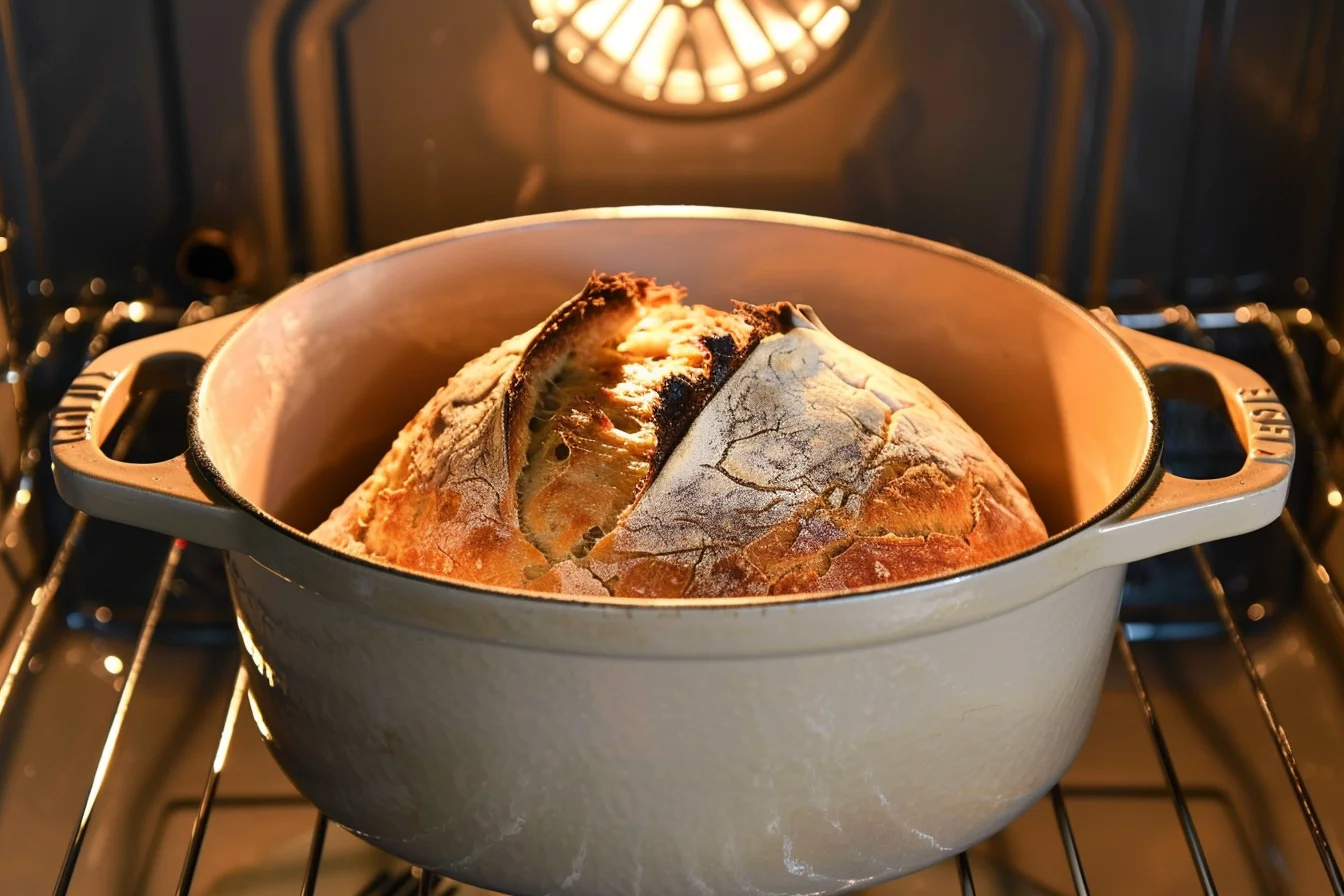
(166, 496)
(1178, 512)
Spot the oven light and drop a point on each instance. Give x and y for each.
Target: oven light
(808, 12)
(551, 9)
(596, 16)
(748, 40)
(784, 31)
(113, 664)
(684, 83)
(687, 52)
(549, 12)
(652, 62)
(623, 38)
(719, 66)
(832, 25)
(571, 45)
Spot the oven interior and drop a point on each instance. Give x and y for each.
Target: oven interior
(167, 161)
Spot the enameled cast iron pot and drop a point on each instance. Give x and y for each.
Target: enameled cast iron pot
(776, 745)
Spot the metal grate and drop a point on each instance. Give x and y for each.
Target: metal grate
(24, 627)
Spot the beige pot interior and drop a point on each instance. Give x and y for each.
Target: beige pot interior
(299, 405)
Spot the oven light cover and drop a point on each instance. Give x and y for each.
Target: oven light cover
(689, 53)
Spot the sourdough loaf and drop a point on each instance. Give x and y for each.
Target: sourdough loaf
(632, 445)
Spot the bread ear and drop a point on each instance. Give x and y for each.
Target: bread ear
(607, 304)
(602, 395)
(809, 314)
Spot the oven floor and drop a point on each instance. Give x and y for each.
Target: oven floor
(1128, 835)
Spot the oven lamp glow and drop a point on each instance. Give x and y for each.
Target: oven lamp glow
(687, 52)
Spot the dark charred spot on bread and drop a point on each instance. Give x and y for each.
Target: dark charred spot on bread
(724, 358)
(766, 320)
(590, 538)
(679, 401)
(682, 398)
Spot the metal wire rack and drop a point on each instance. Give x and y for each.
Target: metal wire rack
(22, 629)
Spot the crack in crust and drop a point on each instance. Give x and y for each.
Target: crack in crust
(633, 446)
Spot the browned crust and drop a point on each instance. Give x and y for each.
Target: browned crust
(892, 506)
(434, 503)
(817, 469)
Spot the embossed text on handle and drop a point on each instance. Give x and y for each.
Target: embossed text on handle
(1270, 431)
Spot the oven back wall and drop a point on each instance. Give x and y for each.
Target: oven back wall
(1114, 146)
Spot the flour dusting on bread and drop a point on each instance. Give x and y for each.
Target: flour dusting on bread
(634, 445)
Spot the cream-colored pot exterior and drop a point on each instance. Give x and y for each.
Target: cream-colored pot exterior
(723, 746)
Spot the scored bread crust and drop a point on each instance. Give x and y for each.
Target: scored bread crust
(438, 502)
(817, 469)
(785, 462)
(444, 500)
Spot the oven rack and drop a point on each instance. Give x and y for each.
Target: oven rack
(25, 625)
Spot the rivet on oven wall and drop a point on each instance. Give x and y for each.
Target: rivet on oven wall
(213, 261)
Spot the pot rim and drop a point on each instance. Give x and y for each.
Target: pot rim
(198, 453)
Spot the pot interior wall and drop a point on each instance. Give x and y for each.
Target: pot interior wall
(301, 403)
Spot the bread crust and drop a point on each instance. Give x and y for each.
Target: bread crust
(439, 501)
(785, 462)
